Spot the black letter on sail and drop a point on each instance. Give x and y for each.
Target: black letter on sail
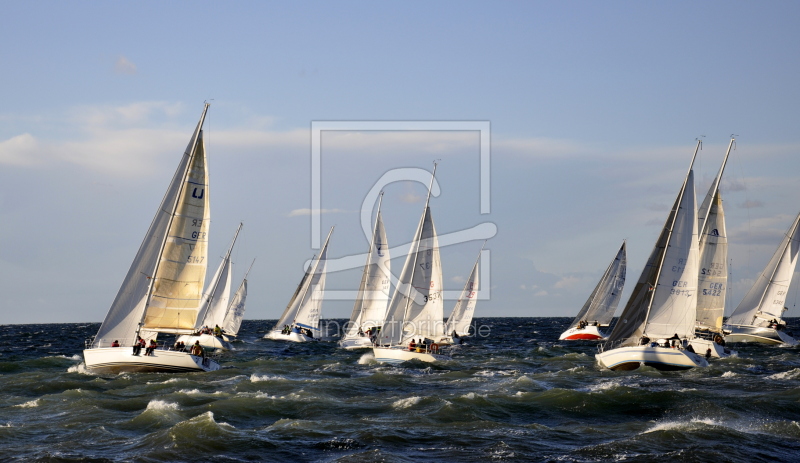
(194, 193)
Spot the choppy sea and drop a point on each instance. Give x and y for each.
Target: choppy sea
(515, 395)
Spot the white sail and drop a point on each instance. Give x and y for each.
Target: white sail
(663, 302)
(712, 279)
(765, 300)
(673, 308)
(304, 307)
(603, 301)
(235, 314)
(416, 309)
(217, 298)
(373, 293)
(461, 316)
(163, 288)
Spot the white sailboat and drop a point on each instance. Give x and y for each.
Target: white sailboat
(758, 318)
(163, 288)
(599, 309)
(457, 326)
(300, 320)
(660, 314)
(414, 318)
(235, 314)
(373, 293)
(216, 301)
(712, 280)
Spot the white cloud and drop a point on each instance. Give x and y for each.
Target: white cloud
(124, 66)
(459, 279)
(541, 293)
(21, 150)
(307, 212)
(567, 282)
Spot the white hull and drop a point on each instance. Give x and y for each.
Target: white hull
(763, 335)
(661, 358)
(395, 355)
(701, 346)
(276, 335)
(362, 342)
(208, 341)
(588, 333)
(121, 360)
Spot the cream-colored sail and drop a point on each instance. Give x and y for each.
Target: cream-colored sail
(163, 286)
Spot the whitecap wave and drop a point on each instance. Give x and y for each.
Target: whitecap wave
(79, 368)
(728, 374)
(157, 404)
(254, 378)
(29, 404)
(407, 402)
(367, 358)
(791, 374)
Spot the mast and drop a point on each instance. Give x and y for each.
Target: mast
(198, 135)
(416, 240)
(671, 225)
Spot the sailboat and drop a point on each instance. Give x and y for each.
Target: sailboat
(599, 309)
(300, 320)
(162, 291)
(758, 318)
(457, 326)
(712, 279)
(235, 314)
(373, 293)
(664, 299)
(414, 318)
(216, 302)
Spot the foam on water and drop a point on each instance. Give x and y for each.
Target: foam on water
(367, 358)
(79, 368)
(157, 404)
(728, 374)
(29, 404)
(791, 374)
(407, 402)
(254, 378)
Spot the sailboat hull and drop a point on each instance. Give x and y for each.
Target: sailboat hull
(121, 360)
(208, 341)
(588, 333)
(276, 335)
(701, 346)
(361, 342)
(763, 335)
(660, 358)
(396, 355)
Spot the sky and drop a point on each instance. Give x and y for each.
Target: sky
(592, 110)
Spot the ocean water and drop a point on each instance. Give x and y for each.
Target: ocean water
(516, 395)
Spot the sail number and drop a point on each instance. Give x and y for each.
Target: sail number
(197, 222)
(425, 265)
(714, 289)
(195, 259)
(679, 268)
(677, 286)
(714, 269)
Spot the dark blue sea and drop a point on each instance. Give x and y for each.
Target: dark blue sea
(516, 395)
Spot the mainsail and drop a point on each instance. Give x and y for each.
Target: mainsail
(235, 314)
(217, 298)
(304, 307)
(765, 300)
(713, 276)
(461, 316)
(603, 301)
(416, 308)
(664, 299)
(373, 293)
(163, 288)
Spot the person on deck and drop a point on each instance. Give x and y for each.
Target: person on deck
(412, 346)
(115, 343)
(197, 350)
